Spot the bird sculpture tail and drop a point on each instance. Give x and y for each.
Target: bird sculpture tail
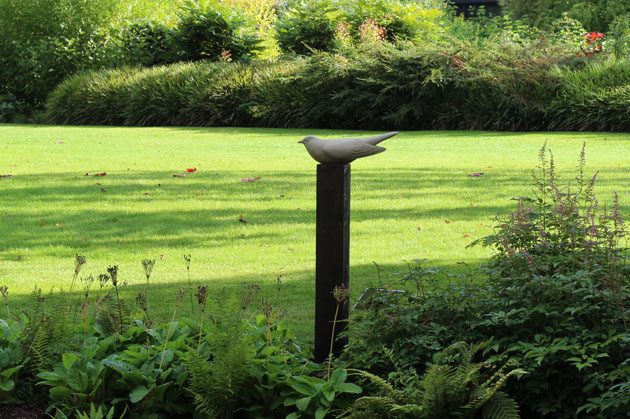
(378, 138)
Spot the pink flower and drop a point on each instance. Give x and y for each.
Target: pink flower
(250, 179)
(476, 174)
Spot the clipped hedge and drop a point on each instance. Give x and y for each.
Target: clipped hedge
(198, 94)
(498, 86)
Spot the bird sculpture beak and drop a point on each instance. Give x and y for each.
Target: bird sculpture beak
(301, 142)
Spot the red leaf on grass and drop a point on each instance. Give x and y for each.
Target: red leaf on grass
(59, 142)
(101, 174)
(191, 170)
(250, 179)
(6, 176)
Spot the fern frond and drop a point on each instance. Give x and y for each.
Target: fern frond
(385, 388)
(500, 406)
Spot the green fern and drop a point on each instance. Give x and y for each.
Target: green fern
(455, 391)
(222, 369)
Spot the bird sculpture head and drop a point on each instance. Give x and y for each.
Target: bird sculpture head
(307, 139)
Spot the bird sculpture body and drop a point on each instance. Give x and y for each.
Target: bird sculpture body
(343, 150)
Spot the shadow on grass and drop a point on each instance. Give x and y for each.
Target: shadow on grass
(155, 209)
(295, 293)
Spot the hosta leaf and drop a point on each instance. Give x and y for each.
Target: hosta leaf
(68, 359)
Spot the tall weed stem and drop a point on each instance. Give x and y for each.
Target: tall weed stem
(180, 294)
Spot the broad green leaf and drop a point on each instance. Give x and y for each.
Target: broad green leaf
(7, 386)
(138, 393)
(329, 395)
(59, 393)
(320, 413)
(349, 388)
(302, 404)
(69, 359)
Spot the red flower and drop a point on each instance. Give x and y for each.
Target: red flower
(191, 170)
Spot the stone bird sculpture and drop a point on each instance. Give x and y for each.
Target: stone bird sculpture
(343, 150)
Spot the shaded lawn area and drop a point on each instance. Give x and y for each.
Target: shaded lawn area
(414, 201)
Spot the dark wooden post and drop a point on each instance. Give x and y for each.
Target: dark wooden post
(332, 252)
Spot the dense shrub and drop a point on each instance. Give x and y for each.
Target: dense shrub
(556, 300)
(209, 30)
(307, 26)
(147, 43)
(594, 15)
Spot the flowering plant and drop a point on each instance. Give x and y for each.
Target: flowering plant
(592, 43)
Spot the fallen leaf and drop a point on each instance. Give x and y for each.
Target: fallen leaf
(6, 176)
(146, 194)
(59, 142)
(289, 249)
(250, 179)
(97, 184)
(489, 167)
(198, 192)
(162, 257)
(419, 228)
(475, 174)
(103, 190)
(87, 174)
(101, 174)
(245, 234)
(43, 223)
(59, 224)
(447, 221)
(474, 205)
(179, 175)
(281, 196)
(191, 170)
(466, 235)
(241, 219)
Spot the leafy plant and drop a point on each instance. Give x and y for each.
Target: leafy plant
(462, 390)
(555, 301)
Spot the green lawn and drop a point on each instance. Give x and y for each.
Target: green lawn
(413, 201)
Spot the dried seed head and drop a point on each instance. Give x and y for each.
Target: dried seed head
(249, 292)
(79, 261)
(187, 260)
(103, 279)
(148, 267)
(5, 291)
(113, 273)
(341, 294)
(202, 294)
(87, 283)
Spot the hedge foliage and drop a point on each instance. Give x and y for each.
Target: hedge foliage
(498, 85)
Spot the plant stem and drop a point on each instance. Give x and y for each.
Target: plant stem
(120, 319)
(332, 341)
(201, 329)
(168, 332)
